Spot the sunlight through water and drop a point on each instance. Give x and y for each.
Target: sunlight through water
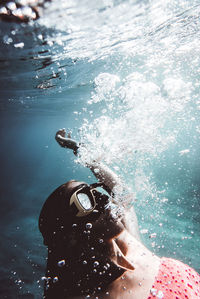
(123, 77)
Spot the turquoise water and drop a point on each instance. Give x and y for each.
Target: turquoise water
(124, 77)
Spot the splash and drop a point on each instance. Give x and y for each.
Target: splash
(137, 123)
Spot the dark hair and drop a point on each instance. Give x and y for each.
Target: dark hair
(56, 217)
(89, 272)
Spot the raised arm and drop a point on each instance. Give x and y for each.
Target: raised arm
(103, 173)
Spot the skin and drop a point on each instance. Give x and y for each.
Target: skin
(105, 175)
(29, 10)
(133, 284)
(136, 283)
(125, 247)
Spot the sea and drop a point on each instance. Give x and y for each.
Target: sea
(123, 78)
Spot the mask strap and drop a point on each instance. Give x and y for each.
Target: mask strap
(103, 185)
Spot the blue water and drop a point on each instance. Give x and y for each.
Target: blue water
(124, 77)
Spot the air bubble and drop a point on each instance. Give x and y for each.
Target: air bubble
(144, 231)
(19, 45)
(61, 263)
(88, 225)
(55, 279)
(7, 40)
(3, 10)
(153, 292)
(160, 295)
(47, 286)
(108, 265)
(11, 6)
(96, 263)
(153, 235)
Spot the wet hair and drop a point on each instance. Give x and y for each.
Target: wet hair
(78, 258)
(89, 272)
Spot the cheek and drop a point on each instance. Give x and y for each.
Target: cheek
(106, 227)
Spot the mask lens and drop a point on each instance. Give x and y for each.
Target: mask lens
(84, 200)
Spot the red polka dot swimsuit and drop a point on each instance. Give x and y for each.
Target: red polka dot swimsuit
(175, 280)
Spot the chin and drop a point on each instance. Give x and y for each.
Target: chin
(108, 227)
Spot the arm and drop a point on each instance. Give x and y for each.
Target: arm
(101, 171)
(105, 175)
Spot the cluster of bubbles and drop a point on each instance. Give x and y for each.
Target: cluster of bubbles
(140, 119)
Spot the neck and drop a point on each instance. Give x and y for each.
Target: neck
(131, 265)
(135, 283)
(133, 250)
(132, 284)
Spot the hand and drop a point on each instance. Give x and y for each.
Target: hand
(60, 136)
(61, 132)
(66, 142)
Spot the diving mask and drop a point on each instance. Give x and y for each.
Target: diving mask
(88, 197)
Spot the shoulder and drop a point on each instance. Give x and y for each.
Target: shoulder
(176, 278)
(178, 267)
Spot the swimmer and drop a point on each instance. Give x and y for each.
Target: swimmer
(93, 253)
(21, 11)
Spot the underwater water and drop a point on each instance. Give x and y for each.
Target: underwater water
(124, 77)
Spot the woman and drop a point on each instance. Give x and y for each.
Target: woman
(93, 253)
(21, 11)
